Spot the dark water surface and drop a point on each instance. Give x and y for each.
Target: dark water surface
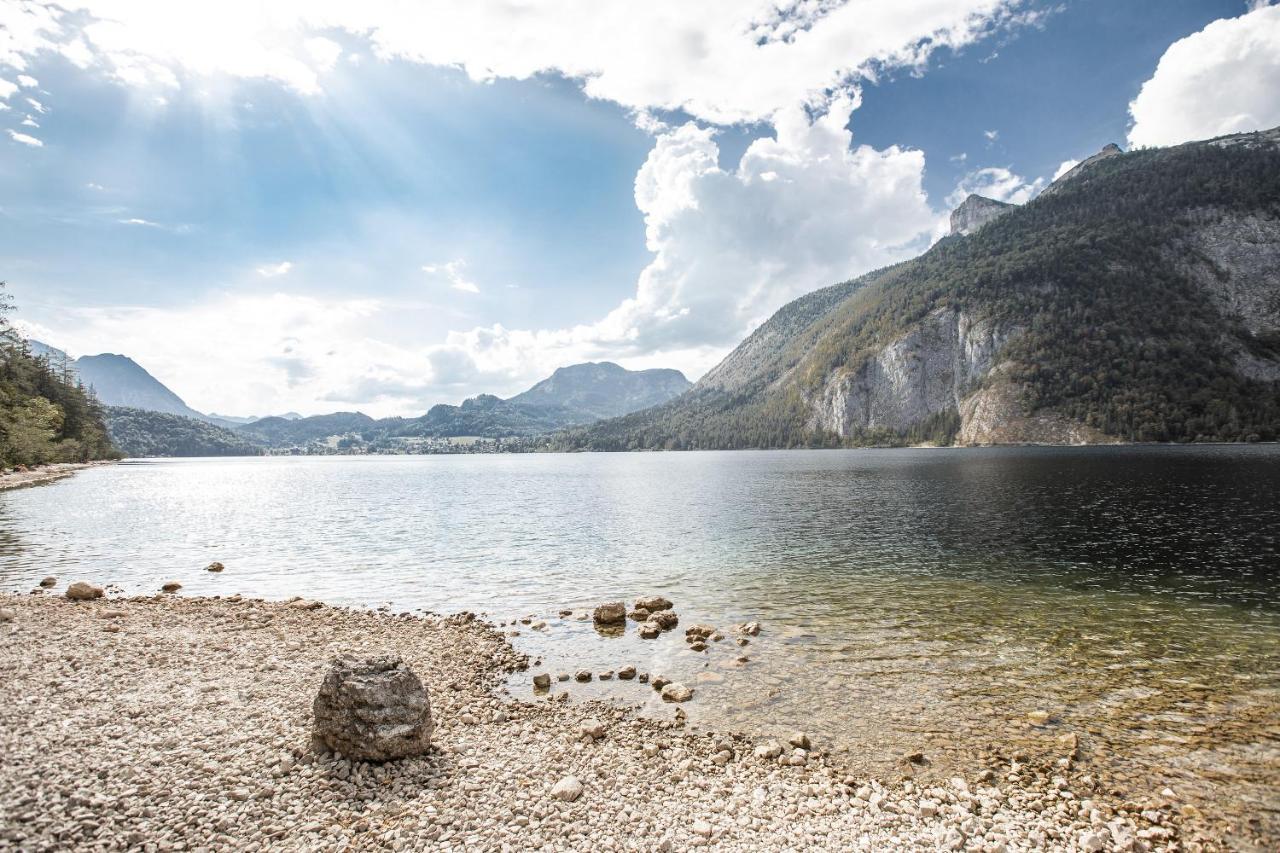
(909, 599)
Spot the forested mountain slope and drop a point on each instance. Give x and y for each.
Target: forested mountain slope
(1138, 299)
(45, 414)
(141, 433)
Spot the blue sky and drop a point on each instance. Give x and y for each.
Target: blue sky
(328, 209)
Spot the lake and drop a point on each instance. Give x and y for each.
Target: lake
(910, 600)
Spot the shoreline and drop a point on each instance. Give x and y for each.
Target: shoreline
(213, 697)
(13, 479)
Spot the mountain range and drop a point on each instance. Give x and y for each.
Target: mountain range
(146, 418)
(1136, 299)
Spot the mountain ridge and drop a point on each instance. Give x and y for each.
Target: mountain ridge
(1135, 302)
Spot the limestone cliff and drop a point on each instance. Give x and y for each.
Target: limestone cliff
(929, 370)
(975, 212)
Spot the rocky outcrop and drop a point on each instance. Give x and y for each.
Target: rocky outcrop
(373, 709)
(1108, 150)
(975, 212)
(929, 370)
(996, 414)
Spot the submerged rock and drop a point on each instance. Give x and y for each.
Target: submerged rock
(81, 591)
(214, 567)
(614, 613)
(542, 680)
(664, 619)
(649, 631)
(653, 603)
(49, 581)
(170, 586)
(374, 709)
(677, 692)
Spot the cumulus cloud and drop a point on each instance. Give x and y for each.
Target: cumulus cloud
(1223, 79)
(27, 81)
(453, 273)
(7, 88)
(801, 210)
(275, 270)
(25, 139)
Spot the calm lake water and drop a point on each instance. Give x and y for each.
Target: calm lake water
(909, 599)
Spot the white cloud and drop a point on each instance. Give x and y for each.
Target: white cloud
(92, 186)
(1223, 79)
(30, 122)
(25, 139)
(137, 221)
(452, 272)
(289, 350)
(37, 106)
(991, 135)
(998, 183)
(275, 270)
(27, 81)
(7, 88)
(1066, 166)
(722, 60)
(730, 247)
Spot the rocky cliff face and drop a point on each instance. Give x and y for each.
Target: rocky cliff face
(975, 212)
(1138, 299)
(930, 370)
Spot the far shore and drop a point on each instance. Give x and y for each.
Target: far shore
(172, 720)
(13, 478)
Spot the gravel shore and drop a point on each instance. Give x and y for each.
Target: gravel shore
(13, 478)
(171, 723)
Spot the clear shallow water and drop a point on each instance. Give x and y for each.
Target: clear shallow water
(910, 599)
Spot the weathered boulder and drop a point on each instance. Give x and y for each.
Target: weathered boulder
(695, 633)
(170, 586)
(677, 692)
(542, 680)
(81, 591)
(373, 709)
(664, 619)
(653, 603)
(650, 630)
(215, 567)
(614, 613)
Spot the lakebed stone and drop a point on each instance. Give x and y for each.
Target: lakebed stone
(614, 613)
(373, 709)
(676, 692)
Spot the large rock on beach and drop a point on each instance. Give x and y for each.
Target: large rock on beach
(81, 591)
(373, 709)
(614, 613)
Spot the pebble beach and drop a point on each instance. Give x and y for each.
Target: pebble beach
(173, 723)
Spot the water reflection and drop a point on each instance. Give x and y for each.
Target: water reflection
(911, 600)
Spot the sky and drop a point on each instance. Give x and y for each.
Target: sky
(315, 205)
